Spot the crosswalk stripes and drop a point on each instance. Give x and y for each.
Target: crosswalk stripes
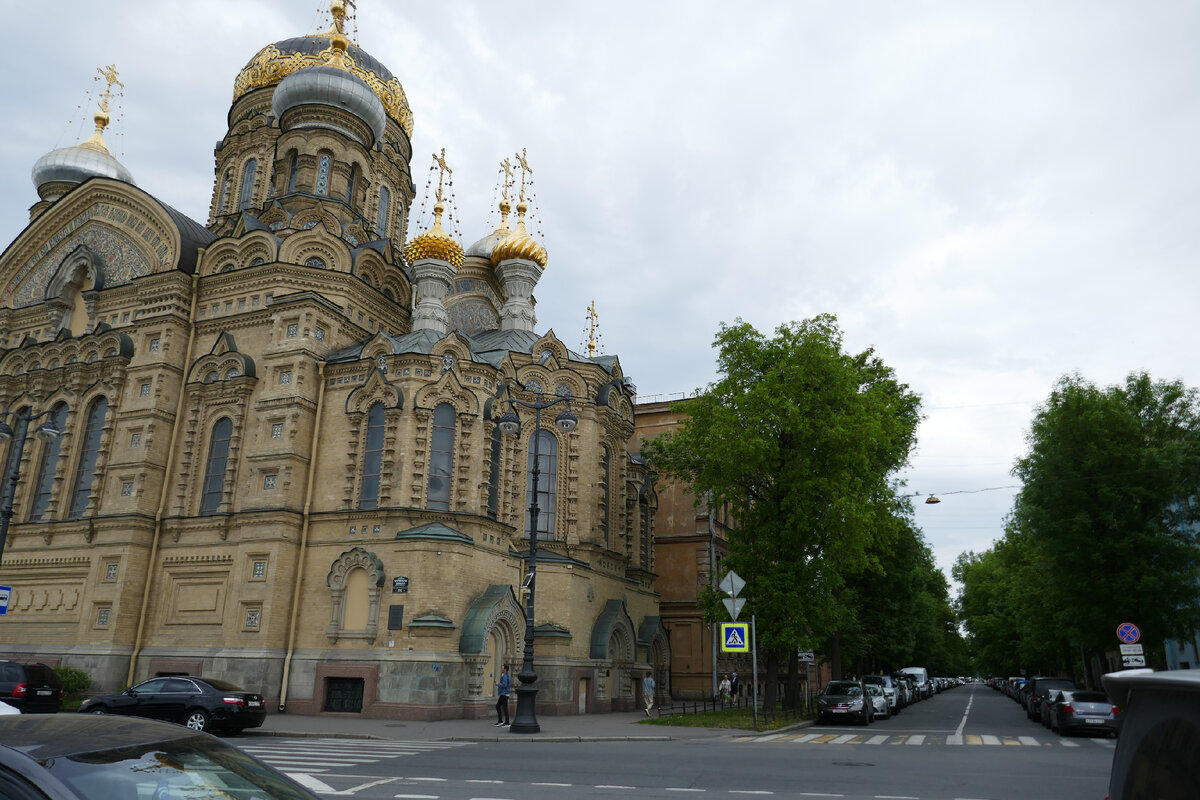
(918, 739)
(322, 755)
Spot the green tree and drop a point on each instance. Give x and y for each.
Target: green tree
(1108, 510)
(802, 440)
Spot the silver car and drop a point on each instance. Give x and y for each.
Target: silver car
(845, 700)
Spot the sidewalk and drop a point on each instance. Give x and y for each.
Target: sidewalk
(623, 726)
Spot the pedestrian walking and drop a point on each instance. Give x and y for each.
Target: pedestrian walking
(726, 688)
(735, 688)
(648, 692)
(504, 687)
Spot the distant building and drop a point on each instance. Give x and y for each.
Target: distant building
(280, 461)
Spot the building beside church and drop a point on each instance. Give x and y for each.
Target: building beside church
(280, 461)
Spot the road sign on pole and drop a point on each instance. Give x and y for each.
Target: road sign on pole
(1131, 650)
(732, 584)
(734, 606)
(806, 656)
(735, 637)
(1128, 633)
(5, 594)
(1133, 661)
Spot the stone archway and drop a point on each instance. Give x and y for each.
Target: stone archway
(492, 635)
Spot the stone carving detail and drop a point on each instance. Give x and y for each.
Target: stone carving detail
(336, 580)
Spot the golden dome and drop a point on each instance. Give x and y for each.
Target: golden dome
(276, 61)
(519, 244)
(434, 243)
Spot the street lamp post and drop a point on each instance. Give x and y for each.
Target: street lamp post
(526, 720)
(47, 432)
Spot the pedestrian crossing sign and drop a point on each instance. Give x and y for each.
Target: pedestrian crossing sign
(735, 637)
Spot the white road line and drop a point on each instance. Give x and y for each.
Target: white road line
(480, 780)
(842, 739)
(561, 785)
(918, 739)
(895, 797)
(770, 737)
(877, 739)
(1029, 740)
(670, 789)
(990, 739)
(818, 794)
(955, 739)
(808, 737)
(1066, 743)
(309, 782)
(418, 796)
(437, 780)
(748, 791)
(612, 786)
(963, 724)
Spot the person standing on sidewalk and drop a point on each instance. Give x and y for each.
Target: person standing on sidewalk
(648, 692)
(504, 687)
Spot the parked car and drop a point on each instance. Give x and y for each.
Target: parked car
(844, 700)
(890, 690)
(1156, 751)
(65, 757)
(200, 703)
(30, 688)
(1083, 710)
(881, 709)
(1038, 689)
(921, 676)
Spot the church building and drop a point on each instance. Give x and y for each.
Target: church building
(295, 447)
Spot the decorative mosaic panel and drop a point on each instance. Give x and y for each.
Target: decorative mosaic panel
(111, 240)
(472, 316)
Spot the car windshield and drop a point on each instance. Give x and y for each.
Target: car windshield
(848, 689)
(180, 769)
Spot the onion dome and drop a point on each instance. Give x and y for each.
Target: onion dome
(89, 159)
(487, 244)
(435, 243)
(519, 244)
(331, 85)
(275, 62)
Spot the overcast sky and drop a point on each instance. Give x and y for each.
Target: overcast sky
(990, 194)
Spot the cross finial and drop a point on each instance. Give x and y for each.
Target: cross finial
(109, 74)
(506, 168)
(443, 171)
(525, 168)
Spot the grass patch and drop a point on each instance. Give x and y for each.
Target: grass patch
(735, 718)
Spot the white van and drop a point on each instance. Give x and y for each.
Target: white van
(921, 675)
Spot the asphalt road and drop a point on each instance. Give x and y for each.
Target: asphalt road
(967, 744)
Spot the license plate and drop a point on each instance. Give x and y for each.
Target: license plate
(256, 704)
(1094, 721)
(44, 692)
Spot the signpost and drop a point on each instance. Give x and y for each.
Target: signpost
(5, 594)
(1131, 652)
(1128, 633)
(732, 585)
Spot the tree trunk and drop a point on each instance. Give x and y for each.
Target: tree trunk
(835, 656)
(769, 684)
(791, 697)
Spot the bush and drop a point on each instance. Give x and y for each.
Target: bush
(75, 681)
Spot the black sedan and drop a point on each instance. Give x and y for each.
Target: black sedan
(63, 757)
(200, 703)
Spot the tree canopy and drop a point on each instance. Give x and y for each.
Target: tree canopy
(1104, 530)
(803, 441)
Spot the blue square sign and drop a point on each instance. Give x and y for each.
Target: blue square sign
(735, 637)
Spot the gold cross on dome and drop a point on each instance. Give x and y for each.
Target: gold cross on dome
(525, 168)
(109, 74)
(506, 168)
(443, 171)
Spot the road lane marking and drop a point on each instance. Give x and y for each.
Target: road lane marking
(808, 737)
(770, 737)
(309, 782)
(818, 794)
(748, 791)
(672, 789)
(1065, 743)
(1011, 742)
(480, 780)
(955, 739)
(417, 796)
(1029, 741)
(963, 724)
(990, 739)
(895, 797)
(438, 780)
(918, 739)
(877, 739)
(560, 785)
(823, 738)
(843, 739)
(973, 738)
(612, 786)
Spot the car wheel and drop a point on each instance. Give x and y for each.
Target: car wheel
(98, 710)
(197, 719)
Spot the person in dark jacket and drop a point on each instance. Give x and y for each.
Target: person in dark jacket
(504, 687)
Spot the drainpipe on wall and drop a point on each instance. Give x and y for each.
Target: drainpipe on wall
(303, 549)
(176, 430)
(712, 580)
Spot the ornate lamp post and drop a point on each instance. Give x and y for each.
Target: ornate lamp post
(47, 432)
(525, 720)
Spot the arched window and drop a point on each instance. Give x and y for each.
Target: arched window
(372, 458)
(85, 473)
(441, 458)
(20, 428)
(644, 505)
(218, 464)
(605, 478)
(547, 447)
(323, 174)
(293, 173)
(350, 184)
(228, 179)
(247, 184)
(493, 506)
(381, 217)
(49, 466)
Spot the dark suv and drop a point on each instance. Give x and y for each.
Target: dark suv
(1156, 752)
(1038, 690)
(30, 688)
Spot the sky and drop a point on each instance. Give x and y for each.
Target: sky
(990, 195)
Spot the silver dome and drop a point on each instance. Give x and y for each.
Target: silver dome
(486, 245)
(77, 164)
(330, 86)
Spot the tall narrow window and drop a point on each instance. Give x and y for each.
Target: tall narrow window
(247, 184)
(441, 458)
(372, 458)
(228, 179)
(644, 505)
(605, 476)
(49, 465)
(20, 428)
(381, 217)
(218, 465)
(547, 480)
(323, 174)
(493, 506)
(293, 173)
(350, 184)
(85, 473)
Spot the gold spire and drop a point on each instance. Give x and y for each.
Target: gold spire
(96, 140)
(519, 244)
(505, 205)
(592, 319)
(436, 242)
